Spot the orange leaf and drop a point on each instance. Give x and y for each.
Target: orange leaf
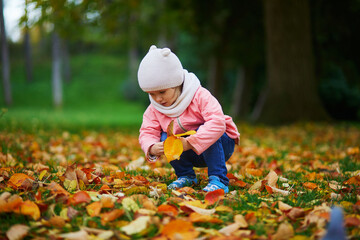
(107, 202)
(170, 129)
(18, 179)
(214, 196)
(310, 185)
(111, 216)
(94, 209)
(80, 197)
(179, 229)
(173, 148)
(254, 172)
(168, 210)
(237, 183)
(187, 190)
(353, 180)
(56, 189)
(10, 203)
(30, 208)
(269, 189)
(197, 217)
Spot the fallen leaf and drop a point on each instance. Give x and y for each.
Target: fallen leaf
(179, 229)
(169, 210)
(56, 189)
(136, 226)
(17, 232)
(214, 196)
(197, 209)
(241, 221)
(310, 185)
(129, 204)
(57, 221)
(18, 179)
(79, 235)
(31, 209)
(272, 178)
(111, 216)
(284, 232)
(197, 217)
(229, 229)
(94, 209)
(80, 197)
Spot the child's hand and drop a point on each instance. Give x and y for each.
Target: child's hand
(157, 149)
(186, 144)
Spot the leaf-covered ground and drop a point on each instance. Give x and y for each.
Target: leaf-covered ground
(96, 185)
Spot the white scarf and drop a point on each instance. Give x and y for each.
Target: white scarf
(190, 86)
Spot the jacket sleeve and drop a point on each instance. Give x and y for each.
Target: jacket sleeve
(150, 132)
(214, 122)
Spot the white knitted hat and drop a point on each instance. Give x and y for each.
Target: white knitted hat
(160, 69)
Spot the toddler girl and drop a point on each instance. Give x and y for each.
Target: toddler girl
(175, 94)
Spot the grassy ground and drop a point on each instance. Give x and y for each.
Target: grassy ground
(93, 98)
(315, 166)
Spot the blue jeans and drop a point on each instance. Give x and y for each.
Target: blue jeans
(213, 158)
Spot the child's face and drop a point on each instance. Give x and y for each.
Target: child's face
(165, 97)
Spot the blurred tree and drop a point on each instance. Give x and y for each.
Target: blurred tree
(27, 45)
(66, 18)
(5, 59)
(337, 55)
(292, 90)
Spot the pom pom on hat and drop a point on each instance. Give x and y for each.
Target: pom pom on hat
(160, 69)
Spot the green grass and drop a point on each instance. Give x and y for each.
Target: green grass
(93, 99)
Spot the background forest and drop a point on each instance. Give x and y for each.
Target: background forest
(266, 61)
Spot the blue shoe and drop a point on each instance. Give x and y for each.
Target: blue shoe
(182, 182)
(215, 184)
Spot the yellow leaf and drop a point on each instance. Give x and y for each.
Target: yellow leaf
(196, 203)
(70, 185)
(42, 174)
(191, 132)
(173, 148)
(129, 204)
(30, 208)
(223, 208)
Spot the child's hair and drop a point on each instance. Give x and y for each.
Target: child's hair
(160, 69)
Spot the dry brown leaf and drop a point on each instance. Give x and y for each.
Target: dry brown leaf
(240, 219)
(229, 229)
(79, 235)
(17, 232)
(272, 178)
(57, 221)
(284, 232)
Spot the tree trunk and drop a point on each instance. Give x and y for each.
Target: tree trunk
(292, 94)
(28, 59)
(56, 71)
(5, 59)
(66, 61)
(238, 93)
(215, 77)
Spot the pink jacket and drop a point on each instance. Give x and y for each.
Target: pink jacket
(204, 114)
